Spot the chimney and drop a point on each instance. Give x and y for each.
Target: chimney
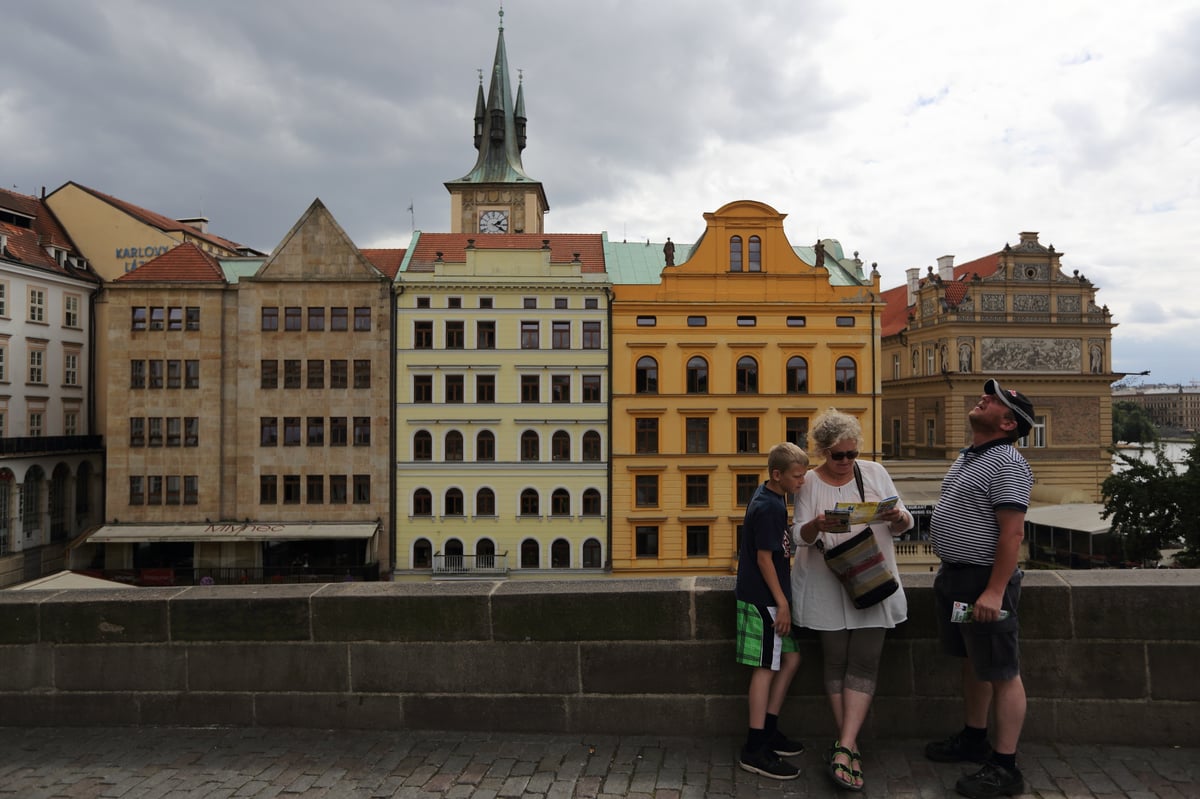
(946, 268)
(914, 282)
(198, 222)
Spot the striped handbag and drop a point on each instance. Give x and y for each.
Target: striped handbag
(859, 565)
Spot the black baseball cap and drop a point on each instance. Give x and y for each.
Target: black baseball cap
(1017, 402)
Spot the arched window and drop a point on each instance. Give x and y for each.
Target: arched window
(797, 375)
(454, 554)
(845, 378)
(454, 502)
(529, 502)
(697, 375)
(647, 375)
(591, 446)
(454, 446)
(485, 502)
(422, 502)
(560, 554)
(485, 446)
(735, 253)
(560, 502)
(747, 375)
(423, 446)
(755, 253)
(530, 554)
(57, 502)
(560, 446)
(591, 554)
(31, 501)
(485, 554)
(529, 446)
(591, 502)
(422, 557)
(83, 494)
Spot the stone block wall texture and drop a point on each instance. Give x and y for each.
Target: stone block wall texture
(1107, 656)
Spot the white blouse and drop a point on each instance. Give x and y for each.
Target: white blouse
(819, 602)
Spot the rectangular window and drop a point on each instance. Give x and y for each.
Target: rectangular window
(560, 388)
(174, 373)
(529, 303)
(797, 321)
(531, 389)
(591, 336)
(174, 486)
(362, 489)
(292, 373)
(314, 493)
(139, 318)
(485, 335)
(37, 367)
(560, 335)
(362, 373)
(1037, 435)
(339, 431)
(191, 431)
(316, 431)
(697, 321)
(455, 389)
(454, 302)
(930, 432)
(560, 303)
(646, 490)
(591, 388)
(745, 486)
(269, 374)
(423, 302)
(486, 302)
(71, 369)
(154, 490)
(292, 318)
(338, 318)
(137, 490)
(71, 310)
(174, 318)
(270, 318)
(268, 489)
(697, 540)
(191, 318)
(174, 431)
(455, 336)
(362, 431)
(647, 321)
(316, 373)
(316, 318)
(696, 434)
(339, 375)
(844, 321)
(362, 319)
(191, 489)
(696, 490)
(796, 431)
(529, 335)
(747, 434)
(646, 436)
(291, 489)
(70, 423)
(191, 374)
(3, 298)
(137, 431)
(268, 431)
(137, 374)
(35, 424)
(590, 303)
(158, 318)
(646, 541)
(37, 305)
(485, 389)
(156, 374)
(422, 388)
(747, 321)
(291, 431)
(423, 335)
(337, 489)
(3, 360)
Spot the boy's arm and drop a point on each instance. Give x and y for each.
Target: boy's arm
(783, 613)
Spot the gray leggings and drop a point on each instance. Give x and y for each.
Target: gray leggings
(852, 659)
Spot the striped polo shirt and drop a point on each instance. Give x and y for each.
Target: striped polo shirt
(993, 476)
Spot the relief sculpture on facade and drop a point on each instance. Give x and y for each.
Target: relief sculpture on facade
(1031, 303)
(1031, 355)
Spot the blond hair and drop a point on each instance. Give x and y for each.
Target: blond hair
(784, 455)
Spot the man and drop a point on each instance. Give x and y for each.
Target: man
(976, 531)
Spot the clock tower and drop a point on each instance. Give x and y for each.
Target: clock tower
(496, 196)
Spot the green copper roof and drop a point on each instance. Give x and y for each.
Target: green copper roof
(237, 268)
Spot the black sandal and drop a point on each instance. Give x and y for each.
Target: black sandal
(835, 770)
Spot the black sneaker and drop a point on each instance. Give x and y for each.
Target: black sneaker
(784, 746)
(957, 749)
(768, 764)
(991, 780)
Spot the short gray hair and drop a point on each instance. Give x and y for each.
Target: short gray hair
(833, 426)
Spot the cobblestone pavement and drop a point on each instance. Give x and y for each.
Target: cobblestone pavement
(175, 762)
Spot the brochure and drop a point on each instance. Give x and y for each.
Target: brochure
(863, 512)
(964, 612)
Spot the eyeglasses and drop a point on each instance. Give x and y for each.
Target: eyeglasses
(841, 456)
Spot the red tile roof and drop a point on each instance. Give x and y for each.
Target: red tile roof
(164, 223)
(895, 315)
(563, 247)
(186, 263)
(27, 245)
(385, 260)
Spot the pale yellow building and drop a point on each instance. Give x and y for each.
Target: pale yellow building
(715, 359)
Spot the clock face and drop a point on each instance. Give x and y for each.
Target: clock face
(493, 222)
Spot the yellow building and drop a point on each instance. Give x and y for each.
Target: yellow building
(714, 360)
(1014, 315)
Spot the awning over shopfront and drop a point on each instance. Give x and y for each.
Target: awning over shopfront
(1084, 517)
(230, 531)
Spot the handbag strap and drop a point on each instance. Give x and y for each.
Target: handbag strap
(858, 481)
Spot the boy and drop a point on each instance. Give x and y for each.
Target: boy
(764, 614)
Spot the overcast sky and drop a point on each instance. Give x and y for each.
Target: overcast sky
(906, 130)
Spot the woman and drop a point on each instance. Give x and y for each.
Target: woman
(851, 639)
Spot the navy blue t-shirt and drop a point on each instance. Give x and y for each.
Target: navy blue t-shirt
(765, 527)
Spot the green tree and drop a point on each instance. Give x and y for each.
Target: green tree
(1141, 501)
(1131, 423)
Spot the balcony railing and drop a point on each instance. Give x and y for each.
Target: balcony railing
(38, 445)
(470, 565)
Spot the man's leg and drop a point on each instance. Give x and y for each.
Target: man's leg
(977, 697)
(1010, 714)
